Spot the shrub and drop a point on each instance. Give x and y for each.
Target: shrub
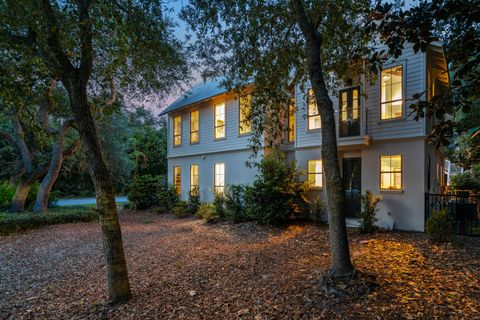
(234, 203)
(219, 204)
(207, 212)
(277, 194)
(17, 222)
(469, 180)
(315, 210)
(143, 192)
(193, 202)
(168, 197)
(7, 191)
(440, 226)
(180, 210)
(369, 205)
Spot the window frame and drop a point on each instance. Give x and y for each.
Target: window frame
(390, 172)
(315, 174)
(309, 97)
(194, 189)
(179, 191)
(249, 121)
(215, 186)
(291, 119)
(215, 121)
(181, 129)
(392, 66)
(198, 127)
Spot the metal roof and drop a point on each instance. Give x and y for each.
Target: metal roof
(200, 91)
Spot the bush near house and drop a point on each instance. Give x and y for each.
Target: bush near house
(234, 203)
(168, 198)
(277, 194)
(17, 222)
(143, 192)
(315, 211)
(207, 212)
(181, 209)
(440, 226)
(219, 204)
(469, 180)
(193, 202)
(368, 214)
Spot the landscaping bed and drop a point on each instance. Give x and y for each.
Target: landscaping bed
(187, 269)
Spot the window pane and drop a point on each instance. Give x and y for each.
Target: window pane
(194, 121)
(291, 121)
(194, 137)
(391, 172)
(396, 163)
(245, 111)
(177, 179)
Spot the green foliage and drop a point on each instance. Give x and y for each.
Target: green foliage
(207, 212)
(234, 203)
(315, 210)
(168, 197)
(440, 226)
(181, 209)
(369, 206)
(469, 180)
(17, 222)
(277, 194)
(143, 193)
(7, 191)
(193, 202)
(219, 204)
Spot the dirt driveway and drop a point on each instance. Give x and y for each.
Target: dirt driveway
(185, 269)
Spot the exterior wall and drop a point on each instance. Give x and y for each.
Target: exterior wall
(236, 172)
(414, 74)
(406, 207)
(207, 143)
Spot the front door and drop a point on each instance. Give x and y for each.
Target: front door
(352, 181)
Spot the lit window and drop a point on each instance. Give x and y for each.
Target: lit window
(314, 173)
(313, 116)
(391, 172)
(177, 130)
(392, 93)
(245, 124)
(177, 179)
(194, 179)
(220, 121)
(219, 186)
(291, 120)
(194, 126)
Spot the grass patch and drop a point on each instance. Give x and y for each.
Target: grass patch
(18, 222)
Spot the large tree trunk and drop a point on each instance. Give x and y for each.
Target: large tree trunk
(23, 188)
(118, 282)
(58, 156)
(341, 265)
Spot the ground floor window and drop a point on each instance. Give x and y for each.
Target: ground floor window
(391, 172)
(219, 186)
(177, 179)
(194, 179)
(314, 173)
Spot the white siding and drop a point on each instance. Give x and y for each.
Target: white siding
(236, 172)
(207, 144)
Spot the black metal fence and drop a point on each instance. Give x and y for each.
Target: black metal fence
(463, 207)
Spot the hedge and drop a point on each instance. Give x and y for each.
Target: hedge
(18, 222)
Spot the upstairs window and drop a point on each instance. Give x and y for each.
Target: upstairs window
(313, 115)
(392, 93)
(291, 120)
(314, 173)
(194, 179)
(391, 172)
(177, 179)
(219, 121)
(245, 110)
(177, 130)
(219, 185)
(194, 126)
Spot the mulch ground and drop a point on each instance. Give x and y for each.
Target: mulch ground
(186, 269)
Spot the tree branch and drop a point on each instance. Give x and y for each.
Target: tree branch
(25, 154)
(71, 150)
(53, 38)
(86, 48)
(307, 27)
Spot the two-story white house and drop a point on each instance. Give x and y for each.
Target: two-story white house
(381, 147)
